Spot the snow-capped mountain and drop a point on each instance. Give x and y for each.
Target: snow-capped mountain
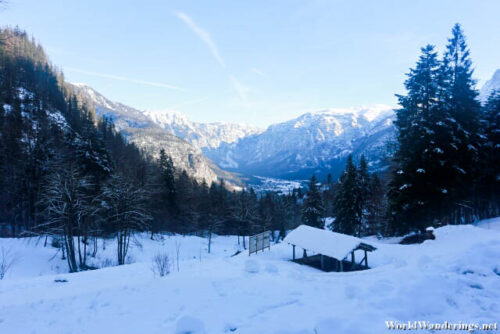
(203, 135)
(317, 142)
(146, 134)
(489, 86)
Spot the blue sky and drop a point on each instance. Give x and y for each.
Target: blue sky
(255, 62)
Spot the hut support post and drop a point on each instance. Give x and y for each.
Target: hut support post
(366, 259)
(353, 261)
(293, 247)
(341, 266)
(322, 262)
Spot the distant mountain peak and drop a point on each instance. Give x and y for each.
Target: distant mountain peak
(489, 86)
(202, 135)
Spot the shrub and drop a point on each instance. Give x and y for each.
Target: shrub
(7, 260)
(161, 264)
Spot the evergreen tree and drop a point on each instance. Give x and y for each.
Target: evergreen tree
(376, 207)
(417, 188)
(364, 184)
(347, 205)
(459, 100)
(489, 177)
(313, 210)
(168, 187)
(439, 141)
(185, 193)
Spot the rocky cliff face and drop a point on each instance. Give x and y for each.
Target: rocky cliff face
(203, 135)
(145, 133)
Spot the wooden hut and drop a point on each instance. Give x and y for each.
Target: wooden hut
(328, 251)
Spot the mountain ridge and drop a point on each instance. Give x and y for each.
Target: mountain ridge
(202, 135)
(146, 134)
(315, 142)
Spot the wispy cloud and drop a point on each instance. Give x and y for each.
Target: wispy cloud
(203, 35)
(258, 71)
(240, 88)
(121, 78)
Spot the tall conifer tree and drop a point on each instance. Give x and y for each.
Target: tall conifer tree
(415, 189)
(347, 204)
(313, 205)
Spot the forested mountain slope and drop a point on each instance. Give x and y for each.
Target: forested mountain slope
(138, 128)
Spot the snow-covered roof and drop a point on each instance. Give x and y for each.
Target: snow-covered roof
(336, 245)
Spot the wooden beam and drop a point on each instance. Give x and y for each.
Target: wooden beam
(341, 266)
(362, 260)
(353, 261)
(293, 246)
(366, 259)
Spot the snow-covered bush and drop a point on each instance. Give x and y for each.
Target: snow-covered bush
(161, 264)
(7, 260)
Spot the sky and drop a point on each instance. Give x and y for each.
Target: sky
(255, 62)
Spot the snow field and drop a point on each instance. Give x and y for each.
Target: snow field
(453, 278)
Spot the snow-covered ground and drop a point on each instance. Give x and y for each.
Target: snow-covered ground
(453, 278)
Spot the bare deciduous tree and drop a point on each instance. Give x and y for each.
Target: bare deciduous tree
(67, 203)
(126, 205)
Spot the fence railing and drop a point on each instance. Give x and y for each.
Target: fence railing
(259, 242)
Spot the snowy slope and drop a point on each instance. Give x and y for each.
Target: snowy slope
(490, 86)
(316, 142)
(203, 135)
(146, 134)
(453, 278)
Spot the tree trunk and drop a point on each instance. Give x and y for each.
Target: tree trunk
(209, 240)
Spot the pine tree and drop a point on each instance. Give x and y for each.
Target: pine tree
(185, 193)
(347, 204)
(459, 100)
(489, 179)
(376, 207)
(416, 187)
(364, 184)
(313, 210)
(169, 192)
